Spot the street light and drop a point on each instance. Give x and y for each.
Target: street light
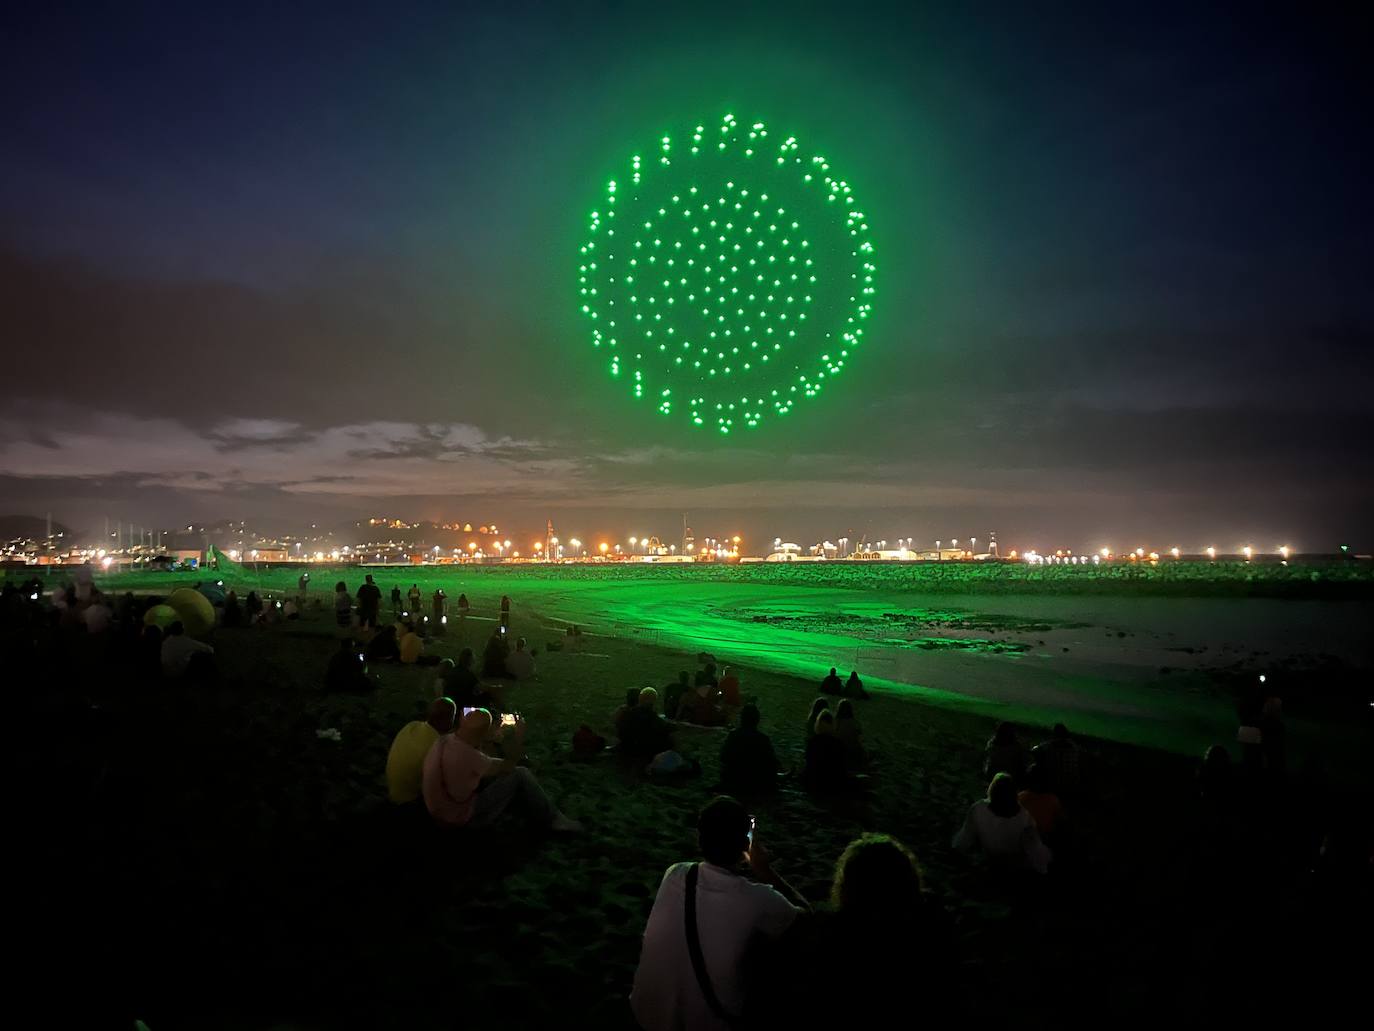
(1211, 552)
(1246, 552)
(604, 547)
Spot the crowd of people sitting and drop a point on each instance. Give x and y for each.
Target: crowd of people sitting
(464, 765)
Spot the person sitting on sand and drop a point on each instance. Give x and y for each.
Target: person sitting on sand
(674, 693)
(748, 764)
(520, 663)
(233, 610)
(854, 687)
(412, 646)
(1004, 754)
(180, 652)
(465, 787)
(643, 732)
(252, 606)
(1060, 761)
(877, 895)
(825, 768)
(618, 717)
(494, 656)
(347, 672)
(461, 683)
(701, 978)
(729, 689)
(405, 762)
(384, 647)
(701, 706)
(849, 732)
(819, 706)
(1002, 830)
(832, 684)
(1043, 804)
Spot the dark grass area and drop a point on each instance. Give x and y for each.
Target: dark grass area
(202, 859)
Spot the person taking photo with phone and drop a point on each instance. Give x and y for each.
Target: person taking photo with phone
(463, 786)
(694, 966)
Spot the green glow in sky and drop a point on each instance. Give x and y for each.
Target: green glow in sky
(727, 274)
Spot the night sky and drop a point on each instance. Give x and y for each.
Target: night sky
(293, 264)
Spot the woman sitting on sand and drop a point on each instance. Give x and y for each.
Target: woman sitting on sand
(1002, 830)
(877, 896)
(1004, 754)
(854, 687)
(819, 706)
(826, 768)
(849, 732)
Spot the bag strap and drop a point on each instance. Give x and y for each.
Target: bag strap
(694, 948)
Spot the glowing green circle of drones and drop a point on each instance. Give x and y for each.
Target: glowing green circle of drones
(728, 277)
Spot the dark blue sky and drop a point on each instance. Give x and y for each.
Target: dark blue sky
(293, 262)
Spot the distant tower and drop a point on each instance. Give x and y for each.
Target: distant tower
(992, 543)
(688, 541)
(548, 539)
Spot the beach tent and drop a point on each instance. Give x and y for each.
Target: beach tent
(194, 610)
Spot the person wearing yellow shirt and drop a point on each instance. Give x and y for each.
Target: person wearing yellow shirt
(405, 763)
(412, 647)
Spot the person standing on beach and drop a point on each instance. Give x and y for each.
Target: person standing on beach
(395, 602)
(369, 601)
(413, 600)
(505, 611)
(693, 966)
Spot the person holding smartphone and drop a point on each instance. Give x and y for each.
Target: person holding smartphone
(693, 966)
(463, 786)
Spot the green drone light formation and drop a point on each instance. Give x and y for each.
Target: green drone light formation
(730, 277)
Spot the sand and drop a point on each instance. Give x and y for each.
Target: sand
(241, 872)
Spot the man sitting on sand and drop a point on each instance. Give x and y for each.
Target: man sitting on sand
(465, 787)
(832, 684)
(405, 763)
(347, 670)
(520, 663)
(643, 732)
(693, 967)
(178, 651)
(748, 764)
(674, 693)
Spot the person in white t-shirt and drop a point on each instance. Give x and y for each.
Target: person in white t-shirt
(733, 915)
(520, 663)
(178, 650)
(1001, 828)
(97, 615)
(465, 787)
